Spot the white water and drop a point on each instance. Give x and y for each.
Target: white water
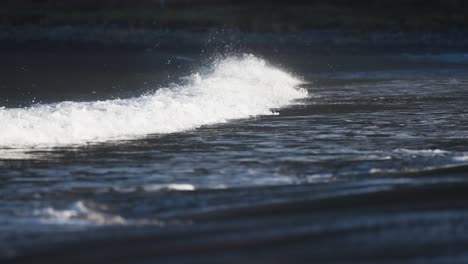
(78, 214)
(234, 88)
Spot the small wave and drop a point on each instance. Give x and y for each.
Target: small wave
(156, 187)
(172, 187)
(421, 151)
(234, 88)
(461, 158)
(79, 214)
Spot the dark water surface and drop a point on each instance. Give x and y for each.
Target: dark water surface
(370, 167)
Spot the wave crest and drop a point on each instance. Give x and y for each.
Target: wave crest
(234, 88)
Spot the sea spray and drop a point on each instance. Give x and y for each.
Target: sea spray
(234, 88)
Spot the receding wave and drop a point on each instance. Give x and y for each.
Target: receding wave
(233, 88)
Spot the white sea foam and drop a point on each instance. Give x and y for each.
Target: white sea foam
(77, 214)
(155, 187)
(171, 187)
(461, 158)
(234, 88)
(80, 214)
(421, 151)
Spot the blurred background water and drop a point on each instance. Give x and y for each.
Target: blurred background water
(233, 131)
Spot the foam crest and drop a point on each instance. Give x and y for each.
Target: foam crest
(78, 214)
(234, 88)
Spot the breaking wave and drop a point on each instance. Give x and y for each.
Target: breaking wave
(233, 88)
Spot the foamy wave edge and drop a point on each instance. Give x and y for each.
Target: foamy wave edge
(79, 214)
(234, 88)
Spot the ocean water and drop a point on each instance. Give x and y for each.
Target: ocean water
(139, 157)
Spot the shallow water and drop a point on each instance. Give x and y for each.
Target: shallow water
(370, 164)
